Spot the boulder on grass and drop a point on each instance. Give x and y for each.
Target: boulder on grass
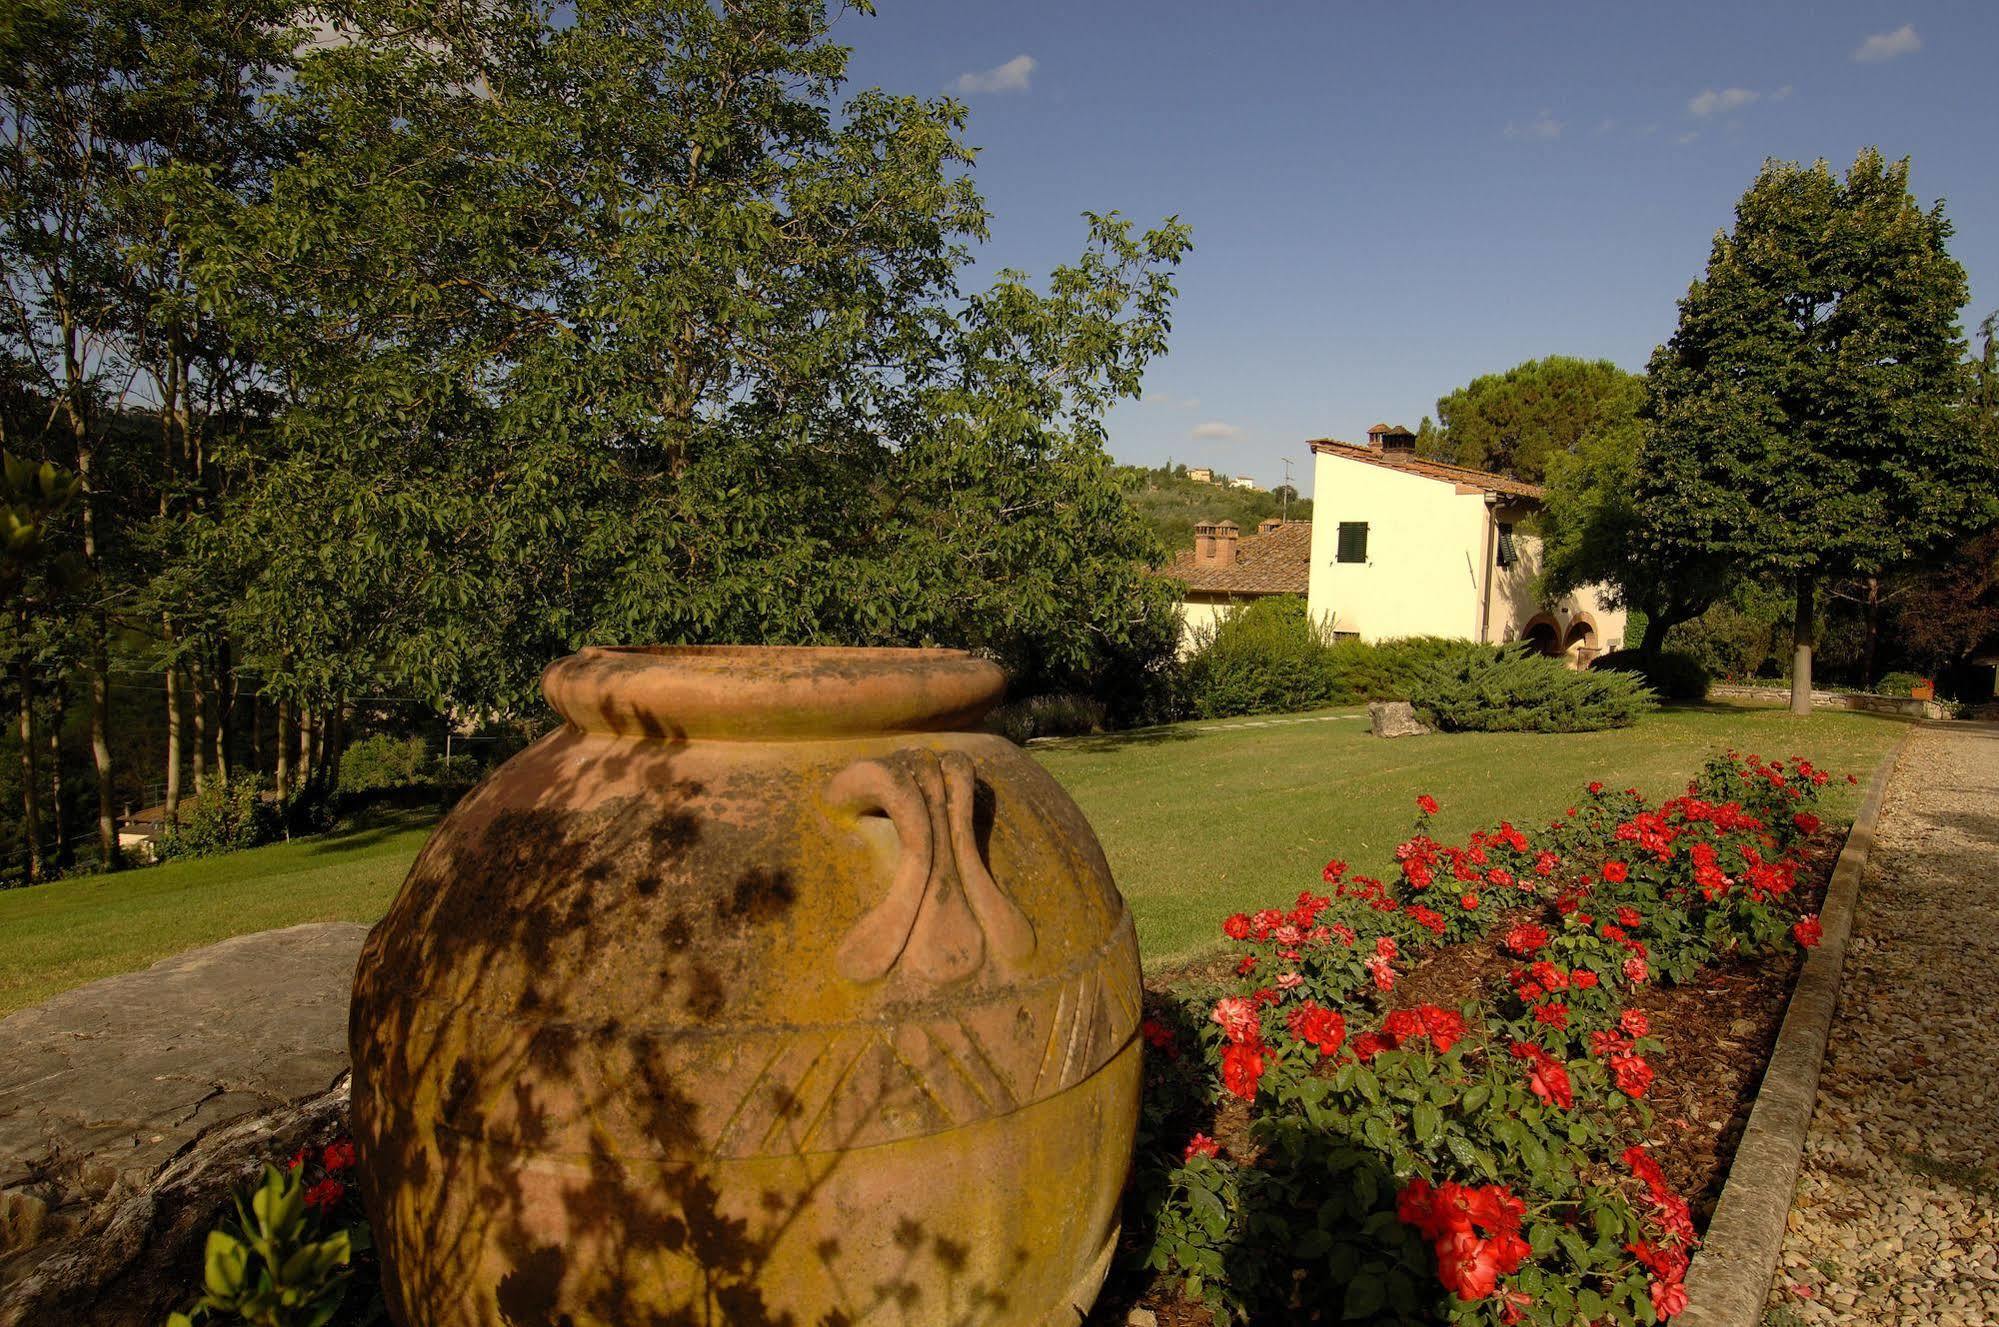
(1395, 718)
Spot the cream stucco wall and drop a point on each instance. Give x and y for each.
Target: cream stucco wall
(1428, 549)
(1423, 551)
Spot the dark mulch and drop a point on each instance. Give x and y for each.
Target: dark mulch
(1716, 1032)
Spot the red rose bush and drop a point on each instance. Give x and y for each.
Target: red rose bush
(1403, 1162)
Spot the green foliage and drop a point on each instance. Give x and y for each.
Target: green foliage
(380, 762)
(1740, 635)
(667, 344)
(1517, 422)
(1021, 721)
(1500, 689)
(274, 1266)
(1172, 504)
(31, 496)
(225, 817)
(1897, 684)
(1385, 670)
(1671, 674)
(1262, 657)
(1806, 417)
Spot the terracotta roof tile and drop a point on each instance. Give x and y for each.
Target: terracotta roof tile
(1276, 563)
(1429, 469)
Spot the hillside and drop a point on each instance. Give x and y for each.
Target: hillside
(1173, 504)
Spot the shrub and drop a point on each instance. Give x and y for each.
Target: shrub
(381, 762)
(1264, 656)
(225, 817)
(1503, 689)
(1673, 675)
(1047, 716)
(1480, 1164)
(1384, 670)
(1897, 684)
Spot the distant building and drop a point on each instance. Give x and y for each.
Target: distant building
(1244, 481)
(1226, 568)
(1405, 546)
(1201, 474)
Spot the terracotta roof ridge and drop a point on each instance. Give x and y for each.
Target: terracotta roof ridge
(1362, 452)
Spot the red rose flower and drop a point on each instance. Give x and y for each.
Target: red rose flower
(1635, 970)
(1237, 927)
(1242, 1069)
(1669, 1298)
(1427, 804)
(1334, 870)
(1806, 822)
(1552, 1015)
(1633, 1075)
(338, 1155)
(1236, 1016)
(325, 1195)
(1526, 939)
(1368, 1045)
(1200, 1145)
(1616, 872)
(1634, 1023)
(1808, 932)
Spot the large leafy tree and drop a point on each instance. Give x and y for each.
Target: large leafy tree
(1517, 422)
(621, 321)
(1593, 532)
(1807, 416)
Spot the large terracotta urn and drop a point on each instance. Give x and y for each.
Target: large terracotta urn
(762, 991)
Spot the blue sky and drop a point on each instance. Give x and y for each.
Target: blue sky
(1388, 200)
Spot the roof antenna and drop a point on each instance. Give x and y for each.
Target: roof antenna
(1284, 498)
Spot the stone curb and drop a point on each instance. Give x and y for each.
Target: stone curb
(1729, 1281)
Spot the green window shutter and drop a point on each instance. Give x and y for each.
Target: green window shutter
(1352, 542)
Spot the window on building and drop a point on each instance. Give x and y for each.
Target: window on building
(1353, 542)
(1507, 555)
(1339, 636)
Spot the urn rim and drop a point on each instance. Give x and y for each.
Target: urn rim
(770, 692)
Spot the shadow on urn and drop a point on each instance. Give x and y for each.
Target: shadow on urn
(763, 991)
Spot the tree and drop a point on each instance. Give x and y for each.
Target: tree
(1516, 422)
(1593, 532)
(620, 323)
(1806, 417)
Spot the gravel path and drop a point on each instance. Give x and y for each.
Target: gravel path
(1894, 1219)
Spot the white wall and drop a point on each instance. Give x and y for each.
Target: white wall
(1427, 548)
(1424, 544)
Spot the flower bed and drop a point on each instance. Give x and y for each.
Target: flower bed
(1432, 1098)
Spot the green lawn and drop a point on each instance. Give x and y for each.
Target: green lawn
(1198, 820)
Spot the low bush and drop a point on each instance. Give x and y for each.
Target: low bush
(1504, 689)
(1266, 656)
(379, 763)
(1384, 670)
(1489, 1163)
(1897, 684)
(1064, 715)
(227, 816)
(1673, 675)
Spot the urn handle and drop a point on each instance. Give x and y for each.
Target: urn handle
(944, 917)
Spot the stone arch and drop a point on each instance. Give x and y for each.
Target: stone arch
(1582, 642)
(1544, 634)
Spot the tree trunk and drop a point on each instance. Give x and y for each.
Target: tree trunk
(283, 737)
(172, 803)
(65, 854)
(100, 747)
(1801, 649)
(31, 790)
(256, 732)
(336, 742)
(1873, 633)
(306, 761)
(226, 684)
(197, 711)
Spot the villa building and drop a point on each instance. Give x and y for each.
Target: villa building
(1406, 546)
(1226, 568)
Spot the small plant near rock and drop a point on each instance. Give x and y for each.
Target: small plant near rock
(287, 1258)
(1390, 1160)
(228, 816)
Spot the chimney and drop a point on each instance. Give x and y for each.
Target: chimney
(1215, 543)
(1267, 524)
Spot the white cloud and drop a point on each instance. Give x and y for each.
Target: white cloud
(1718, 102)
(1543, 126)
(1781, 93)
(1214, 429)
(1686, 138)
(1013, 76)
(1888, 45)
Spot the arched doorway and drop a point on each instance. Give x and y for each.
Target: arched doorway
(1582, 644)
(1543, 635)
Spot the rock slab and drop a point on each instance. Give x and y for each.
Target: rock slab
(104, 1088)
(1395, 718)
